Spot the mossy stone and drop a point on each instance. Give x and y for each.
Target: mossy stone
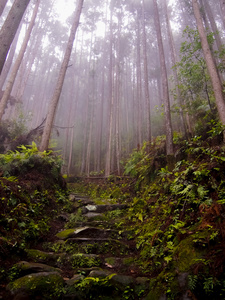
(186, 255)
(25, 268)
(65, 234)
(41, 256)
(46, 284)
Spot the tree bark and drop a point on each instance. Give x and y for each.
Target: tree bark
(165, 89)
(139, 85)
(146, 87)
(2, 6)
(18, 61)
(213, 73)
(222, 6)
(8, 64)
(111, 104)
(9, 28)
(55, 99)
(174, 61)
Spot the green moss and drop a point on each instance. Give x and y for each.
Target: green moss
(186, 255)
(65, 234)
(40, 256)
(156, 290)
(45, 284)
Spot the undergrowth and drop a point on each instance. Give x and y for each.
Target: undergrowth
(176, 215)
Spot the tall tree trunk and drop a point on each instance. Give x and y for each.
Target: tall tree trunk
(55, 99)
(8, 64)
(213, 73)
(18, 61)
(213, 24)
(139, 85)
(146, 87)
(2, 5)
(111, 103)
(165, 89)
(174, 61)
(222, 6)
(9, 28)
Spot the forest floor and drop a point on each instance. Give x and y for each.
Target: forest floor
(157, 235)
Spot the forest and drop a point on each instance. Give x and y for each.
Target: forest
(112, 157)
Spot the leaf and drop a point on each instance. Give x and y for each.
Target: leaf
(168, 258)
(140, 217)
(186, 190)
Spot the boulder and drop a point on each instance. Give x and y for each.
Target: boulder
(26, 268)
(45, 284)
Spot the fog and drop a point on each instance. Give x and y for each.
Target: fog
(103, 109)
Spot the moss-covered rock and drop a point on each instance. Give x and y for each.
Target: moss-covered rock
(47, 285)
(65, 234)
(50, 258)
(25, 268)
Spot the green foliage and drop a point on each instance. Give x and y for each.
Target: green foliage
(177, 218)
(27, 157)
(28, 193)
(135, 158)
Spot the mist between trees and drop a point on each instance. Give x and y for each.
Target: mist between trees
(110, 76)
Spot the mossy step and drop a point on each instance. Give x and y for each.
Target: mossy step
(39, 256)
(24, 268)
(95, 223)
(87, 232)
(97, 246)
(94, 216)
(79, 198)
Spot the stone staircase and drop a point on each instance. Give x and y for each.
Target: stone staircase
(90, 257)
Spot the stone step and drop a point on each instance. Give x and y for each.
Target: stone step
(49, 258)
(87, 232)
(94, 216)
(98, 246)
(51, 285)
(24, 268)
(94, 223)
(103, 208)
